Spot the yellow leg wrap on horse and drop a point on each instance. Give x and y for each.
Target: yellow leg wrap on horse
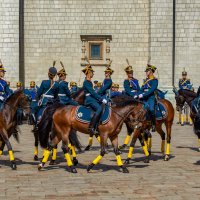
(68, 159)
(54, 153)
(11, 155)
(1, 152)
(146, 143)
(97, 159)
(69, 146)
(46, 154)
(99, 139)
(90, 141)
(119, 160)
(182, 119)
(199, 142)
(73, 152)
(168, 149)
(36, 151)
(190, 120)
(127, 139)
(149, 142)
(163, 146)
(145, 150)
(130, 153)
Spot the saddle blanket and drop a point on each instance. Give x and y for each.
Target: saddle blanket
(161, 111)
(84, 114)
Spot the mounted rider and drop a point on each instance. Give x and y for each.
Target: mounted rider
(4, 89)
(107, 83)
(92, 99)
(148, 92)
(115, 90)
(73, 87)
(131, 84)
(48, 91)
(64, 93)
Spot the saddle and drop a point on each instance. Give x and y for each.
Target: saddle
(84, 114)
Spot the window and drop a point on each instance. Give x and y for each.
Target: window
(95, 51)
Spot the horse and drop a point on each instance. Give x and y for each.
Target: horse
(182, 96)
(8, 120)
(145, 128)
(62, 120)
(77, 96)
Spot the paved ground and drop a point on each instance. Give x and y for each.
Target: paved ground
(176, 179)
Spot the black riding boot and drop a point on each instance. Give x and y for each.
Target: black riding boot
(93, 124)
(153, 120)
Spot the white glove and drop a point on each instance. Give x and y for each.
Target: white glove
(104, 101)
(140, 96)
(1, 98)
(135, 97)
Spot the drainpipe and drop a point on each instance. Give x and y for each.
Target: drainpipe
(174, 43)
(21, 42)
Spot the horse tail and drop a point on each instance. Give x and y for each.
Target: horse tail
(197, 124)
(45, 124)
(74, 140)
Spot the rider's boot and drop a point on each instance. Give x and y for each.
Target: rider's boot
(93, 124)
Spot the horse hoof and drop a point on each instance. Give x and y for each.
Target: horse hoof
(87, 148)
(90, 167)
(40, 166)
(73, 170)
(13, 166)
(123, 146)
(35, 158)
(146, 160)
(127, 161)
(75, 161)
(52, 162)
(124, 169)
(166, 158)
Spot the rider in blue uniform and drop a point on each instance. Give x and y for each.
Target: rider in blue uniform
(4, 89)
(107, 83)
(19, 110)
(73, 87)
(47, 91)
(148, 92)
(92, 99)
(64, 93)
(131, 84)
(115, 90)
(32, 92)
(184, 82)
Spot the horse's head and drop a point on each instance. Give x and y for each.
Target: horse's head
(180, 99)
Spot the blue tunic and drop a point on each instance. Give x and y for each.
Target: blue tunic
(131, 87)
(46, 93)
(4, 91)
(64, 94)
(92, 99)
(185, 84)
(106, 85)
(148, 91)
(73, 89)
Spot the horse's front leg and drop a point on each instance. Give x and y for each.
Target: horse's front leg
(114, 140)
(103, 139)
(167, 153)
(2, 145)
(36, 146)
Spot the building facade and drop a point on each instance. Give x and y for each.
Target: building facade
(140, 30)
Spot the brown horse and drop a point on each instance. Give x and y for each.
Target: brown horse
(182, 96)
(8, 120)
(62, 120)
(146, 125)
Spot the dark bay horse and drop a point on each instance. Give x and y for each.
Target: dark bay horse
(8, 120)
(182, 96)
(77, 96)
(62, 120)
(146, 125)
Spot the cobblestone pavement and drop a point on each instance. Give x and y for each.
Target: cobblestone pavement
(176, 179)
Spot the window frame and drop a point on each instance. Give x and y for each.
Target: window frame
(101, 50)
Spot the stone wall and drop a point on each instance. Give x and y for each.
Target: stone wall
(9, 38)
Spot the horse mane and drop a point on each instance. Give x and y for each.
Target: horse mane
(124, 100)
(76, 94)
(16, 93)
(187, 93)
